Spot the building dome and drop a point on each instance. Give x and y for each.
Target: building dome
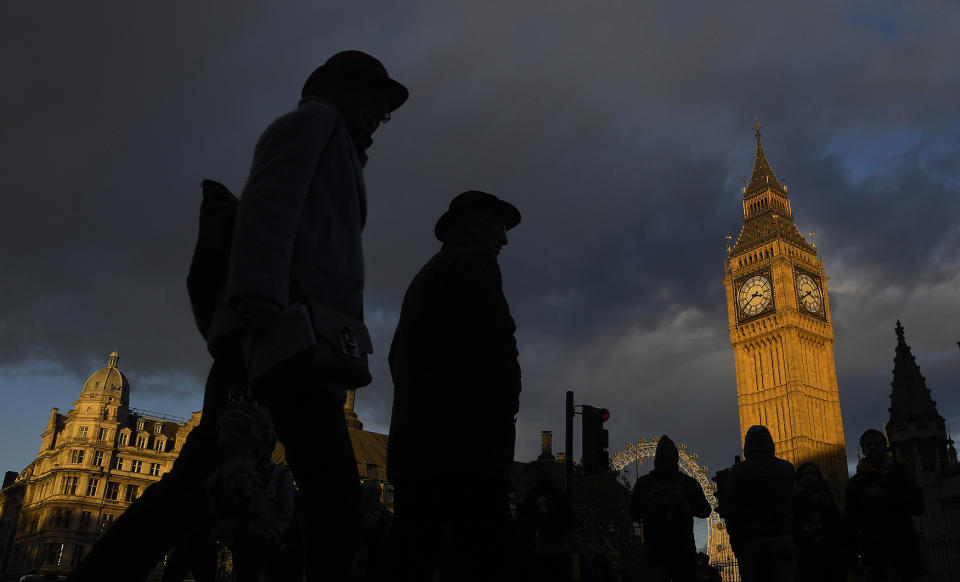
(109, 381)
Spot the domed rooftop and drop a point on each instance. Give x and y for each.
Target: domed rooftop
(109, 381)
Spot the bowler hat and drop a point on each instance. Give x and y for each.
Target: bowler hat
(476, 202)
(355, 70)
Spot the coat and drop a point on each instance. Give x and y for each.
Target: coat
(456, 378)
(676, 539)
(818, 535)
(877, 519)
(300, 217)
(758, 502)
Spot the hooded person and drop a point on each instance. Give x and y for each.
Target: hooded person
(759, 511)
(666, 501)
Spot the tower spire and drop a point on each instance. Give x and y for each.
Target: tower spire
(909, 396)
(762, 176)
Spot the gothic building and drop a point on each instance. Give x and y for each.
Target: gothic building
(781, 330)
(918, 438)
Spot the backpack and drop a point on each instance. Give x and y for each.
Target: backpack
(667, 511)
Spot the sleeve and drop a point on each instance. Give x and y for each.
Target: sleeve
(912, 497)
(851, 526)
(486, 314)
(730, 502)
(268, 216)
(285, 501)
(638, 506)
(699, 505)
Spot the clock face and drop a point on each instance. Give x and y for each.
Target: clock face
(754, 295)
(808, 293)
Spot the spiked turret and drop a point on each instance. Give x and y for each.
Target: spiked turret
(766, 208)
(910, 398)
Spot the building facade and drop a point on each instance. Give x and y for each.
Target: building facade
(918, 438)
(94, 461)
(781, 331)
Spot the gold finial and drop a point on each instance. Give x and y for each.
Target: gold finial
(756, 126)
(729, 239)
(813, 242)
(743, 184)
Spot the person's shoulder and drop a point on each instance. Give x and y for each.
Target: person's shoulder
(784, 465)
(688, 479)
(312, 116)
(902, 471)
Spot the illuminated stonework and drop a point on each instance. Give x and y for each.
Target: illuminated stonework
(93, 462)
(781, 331)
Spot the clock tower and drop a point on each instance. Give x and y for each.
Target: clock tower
(781, 331)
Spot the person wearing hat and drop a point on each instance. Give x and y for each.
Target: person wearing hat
(295, 239)
(297, 242)
(456, 393)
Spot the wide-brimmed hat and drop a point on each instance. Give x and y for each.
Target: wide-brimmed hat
(476, 202)
(355, 70)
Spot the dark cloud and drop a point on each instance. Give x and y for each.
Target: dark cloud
(620, 130)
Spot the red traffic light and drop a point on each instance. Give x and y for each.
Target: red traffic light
(604, 415)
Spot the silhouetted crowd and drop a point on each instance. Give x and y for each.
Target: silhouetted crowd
(276, 285)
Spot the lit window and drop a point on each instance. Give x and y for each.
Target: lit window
(82, 432)
(70, 485)
(158, 428)
(118, 463)
(76, 456)
(141, 442)
(154, 469)
(91, 491)
(98, 458)
(159, 445)
(135, 466)
(133, 492)
(140, 424)
(123, 439)
(113, 491)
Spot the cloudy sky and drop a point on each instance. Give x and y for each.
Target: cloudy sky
(621, 130)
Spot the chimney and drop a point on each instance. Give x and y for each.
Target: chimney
(353, 421)
(546, 446)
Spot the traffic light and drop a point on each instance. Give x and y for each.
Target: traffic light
(596, 459)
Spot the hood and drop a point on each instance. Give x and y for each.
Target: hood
(758, 442)
(667, 457)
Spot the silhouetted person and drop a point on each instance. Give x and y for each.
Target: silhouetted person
(296, 239)
(377, 520)
(666, 501)
(545, 518)
(251, 496)
(196, 554)
(759, 511)
(881, 498)
(818, 529)
(706, 572)
(456, 391)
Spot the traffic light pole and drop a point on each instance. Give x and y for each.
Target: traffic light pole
(568, 451)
